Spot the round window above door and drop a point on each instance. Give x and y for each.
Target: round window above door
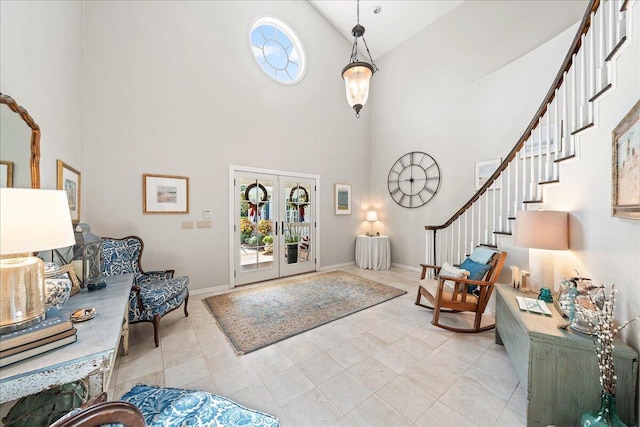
(277, 50)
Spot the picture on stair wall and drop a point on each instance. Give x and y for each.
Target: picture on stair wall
(484, 170)
(626, 166)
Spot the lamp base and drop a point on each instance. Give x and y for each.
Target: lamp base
(22, 290)
(542, 268)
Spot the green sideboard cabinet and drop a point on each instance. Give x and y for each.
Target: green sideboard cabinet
(558, 368)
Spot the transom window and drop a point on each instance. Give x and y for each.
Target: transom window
(277, 50)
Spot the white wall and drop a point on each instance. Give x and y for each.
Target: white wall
(452, 114)
(41, 68)
(172, 88)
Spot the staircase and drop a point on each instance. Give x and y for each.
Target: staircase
(568, 110)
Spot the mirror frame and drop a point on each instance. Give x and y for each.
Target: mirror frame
(35, 136)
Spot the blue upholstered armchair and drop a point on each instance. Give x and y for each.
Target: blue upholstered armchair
(154, 293)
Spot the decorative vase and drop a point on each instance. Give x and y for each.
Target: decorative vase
(57, 292)
(605, 416)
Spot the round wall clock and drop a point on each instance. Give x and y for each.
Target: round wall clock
(414, 179)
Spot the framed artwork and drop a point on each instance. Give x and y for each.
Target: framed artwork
(484, 170)
(540, 134)
(69, 180)
(342, 199)
(165, 194)
(625, 179)
(6, 174)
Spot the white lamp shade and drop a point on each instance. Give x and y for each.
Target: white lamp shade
(34, 220)
(356, 77)
(372, 216)
(542, 230)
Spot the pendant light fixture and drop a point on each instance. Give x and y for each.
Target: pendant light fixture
(357, 74)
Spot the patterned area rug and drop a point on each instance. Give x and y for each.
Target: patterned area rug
(258, 317)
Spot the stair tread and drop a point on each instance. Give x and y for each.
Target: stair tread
(616, 48)
(562, 159)
(600, 92)
(551, 181)
(585, 127)
(532, 201)
(503, 233)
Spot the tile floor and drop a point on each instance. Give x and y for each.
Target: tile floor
(384, 366)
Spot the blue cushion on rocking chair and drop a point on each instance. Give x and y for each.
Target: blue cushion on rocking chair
(476, 272)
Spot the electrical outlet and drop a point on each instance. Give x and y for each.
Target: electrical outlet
(204, 224)
(187, 225)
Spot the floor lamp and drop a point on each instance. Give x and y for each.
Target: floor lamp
(541, 232)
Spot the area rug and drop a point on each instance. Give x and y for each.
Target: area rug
(258, 317)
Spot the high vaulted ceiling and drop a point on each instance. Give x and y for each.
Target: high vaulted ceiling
(529, 23)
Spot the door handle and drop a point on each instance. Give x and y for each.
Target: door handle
(276, 228)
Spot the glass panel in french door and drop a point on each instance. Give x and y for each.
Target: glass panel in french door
(298, 225)
(255, 237)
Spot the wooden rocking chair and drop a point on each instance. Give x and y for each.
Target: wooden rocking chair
(457, 298)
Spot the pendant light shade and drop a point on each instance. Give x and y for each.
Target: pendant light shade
(356, 77)
(357, 74)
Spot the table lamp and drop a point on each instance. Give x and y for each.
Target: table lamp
(372, 216)
(541, 232)
(30, 221)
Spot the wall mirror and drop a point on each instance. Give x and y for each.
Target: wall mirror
(19, 146)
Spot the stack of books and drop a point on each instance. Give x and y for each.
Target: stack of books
(53, 332)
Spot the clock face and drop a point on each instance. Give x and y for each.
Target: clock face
(414, 179)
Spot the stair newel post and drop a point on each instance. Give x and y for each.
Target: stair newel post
(466, 234)
(508, 207)
(479, 202)
(486, 216)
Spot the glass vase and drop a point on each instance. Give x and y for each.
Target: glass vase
(605, 416)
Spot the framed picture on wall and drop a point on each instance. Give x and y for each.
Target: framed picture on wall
(6, 174)
(165, 194)
(69, 180)
(484, 170)
(342, 199)
(625, 179)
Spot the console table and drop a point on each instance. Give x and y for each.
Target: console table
(91, 356)
(557, 367)
(373, 252)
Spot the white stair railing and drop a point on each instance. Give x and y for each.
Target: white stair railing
(567, 110)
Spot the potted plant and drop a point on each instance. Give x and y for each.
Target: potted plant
(268, 244)
(291, 238)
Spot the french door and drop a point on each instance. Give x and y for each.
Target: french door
(274, 226)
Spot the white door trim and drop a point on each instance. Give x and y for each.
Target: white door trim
(231, 203)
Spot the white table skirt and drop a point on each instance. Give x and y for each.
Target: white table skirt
(373, 252)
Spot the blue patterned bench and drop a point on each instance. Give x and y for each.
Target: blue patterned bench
(165, 406)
